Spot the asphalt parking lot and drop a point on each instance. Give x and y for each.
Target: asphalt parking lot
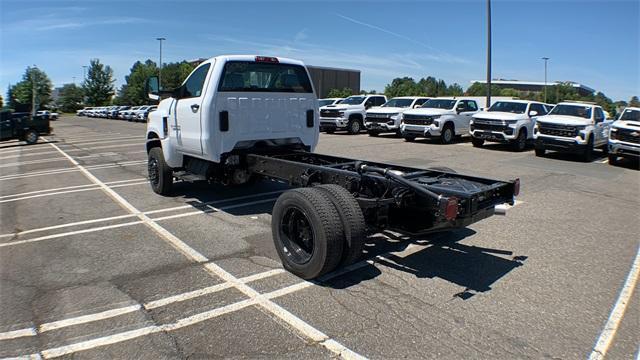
(94, 264)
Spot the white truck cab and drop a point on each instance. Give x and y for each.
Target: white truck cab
(574, 127)
(329, 101)
(387, 117)
(349, 114)
(624, 136)
(231, 104)
(442, 117)
(508, 121)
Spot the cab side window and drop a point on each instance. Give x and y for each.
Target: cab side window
(599, 115)
(541, 110)
(380, 101)
(420, 102)
(471, 106)
(194, 84)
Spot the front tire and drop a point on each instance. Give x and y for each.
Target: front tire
(447, 134)
(374, 133)
(409, 138)
(540, 152)
(520, 143)
(613, 159)
(587, 155)
(354, 126)
(477, 142)
(160, 174)
(307, 232)
(31, 137)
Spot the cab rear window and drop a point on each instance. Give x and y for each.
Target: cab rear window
(248, 76)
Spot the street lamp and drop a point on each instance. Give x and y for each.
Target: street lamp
(488, 53)
(84, 73)
(160, 39)
(545, 77)
(33, 89)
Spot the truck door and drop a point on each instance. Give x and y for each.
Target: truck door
(465, 109)
(601, 132)
(186, 127)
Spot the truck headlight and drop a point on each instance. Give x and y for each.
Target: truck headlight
(396, 116)
(613, 134)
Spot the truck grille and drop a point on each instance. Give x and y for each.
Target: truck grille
(626, 135)
(418, 119)
(329, 113)
(557, 130)
(490, 125)
(377, 118)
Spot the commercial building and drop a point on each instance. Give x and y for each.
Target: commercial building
(536, 86)
(326, 78)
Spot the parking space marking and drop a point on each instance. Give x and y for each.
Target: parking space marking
(87, 135)
(181, 207)
(295, 322)
(107, 314)
(106, 154)
(39, 161)
(28, 154)
(70, 169)
(611, 327)
(68, 189)
(137, 143)
(103, 141)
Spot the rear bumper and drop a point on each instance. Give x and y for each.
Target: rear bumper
(624, 149)
(568, 146)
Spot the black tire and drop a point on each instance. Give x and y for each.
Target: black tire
(373, 133)
(354, 126)
(330, 131)
(605, 149)
(520, 143)
(160, 174)
(31, 136)
(448, 134)
(307, 232)
(613, 159)
(587, 155)
(540, 151)
(409, 138)
(353, 224)
(477, 142)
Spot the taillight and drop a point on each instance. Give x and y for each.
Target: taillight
(516, 187)
(268, 59)
(451, 209)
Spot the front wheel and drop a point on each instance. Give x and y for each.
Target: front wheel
(447, 134)
(31, 137)
(160, 174)
(329, 131)
(307, 232)
(477, 142)
(409, 138)
(613, 159)
(587, 155)
(521, 141)
(354, 126)
(540, 152)
(373, 133)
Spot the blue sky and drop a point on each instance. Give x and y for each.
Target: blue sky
(592, 42)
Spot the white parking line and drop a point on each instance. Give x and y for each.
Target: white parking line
(107, 314)
(20, 163)
(611, 327)
(137, 143)
(103, 141)
(63, 190)
(28, 154)
(66, 170)
(88, 136)
(295, 322)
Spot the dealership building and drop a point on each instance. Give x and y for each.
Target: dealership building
(326, 78)
(535, 86)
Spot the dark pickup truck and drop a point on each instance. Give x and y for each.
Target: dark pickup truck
(23, 126)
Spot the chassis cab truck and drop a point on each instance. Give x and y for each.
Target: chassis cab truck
(239, 117)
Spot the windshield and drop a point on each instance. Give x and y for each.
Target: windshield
(249, 76)
(572, 110)
(510, 107)
(353, 100)
(439, 104)
(323, 102)
(401, 103)
(633, 115)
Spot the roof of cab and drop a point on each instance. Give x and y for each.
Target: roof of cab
(281, 60)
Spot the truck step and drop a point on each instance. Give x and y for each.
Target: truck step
(189, 177)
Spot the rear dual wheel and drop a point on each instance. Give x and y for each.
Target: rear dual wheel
(316, 229)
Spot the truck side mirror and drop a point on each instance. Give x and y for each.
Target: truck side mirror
(459, 109)
(152, 87)
(533, 113)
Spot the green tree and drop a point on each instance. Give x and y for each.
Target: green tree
(173, 74)
(405, 86)
(1, 102)
(634, 101)
(134, 91)
(71, 98)
(455, 90)
(98, 87)
(34, 82)
(340, 93)
(480, 89)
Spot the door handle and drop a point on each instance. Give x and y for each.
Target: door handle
(195, 107)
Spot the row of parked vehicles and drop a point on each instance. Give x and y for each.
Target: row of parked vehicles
(129, 113)
(571, 126)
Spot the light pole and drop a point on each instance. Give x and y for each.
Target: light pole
(488, 54)
(33, 90)
(545, 77)
(84, 73)
(160, 39)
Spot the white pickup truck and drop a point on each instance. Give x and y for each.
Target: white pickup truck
(443, 118)
(349, 114)
(624, 137)
(572, 127)
(509, 121)
(387, 117)
(329, 101)
(240, 117)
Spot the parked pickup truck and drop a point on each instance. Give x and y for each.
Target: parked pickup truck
(349, 114)
(241, 117)
(23, 126)
(624, 136)
(329, 101)
(508, 122)
(442, 118)
(387, 117)
(574, 127)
